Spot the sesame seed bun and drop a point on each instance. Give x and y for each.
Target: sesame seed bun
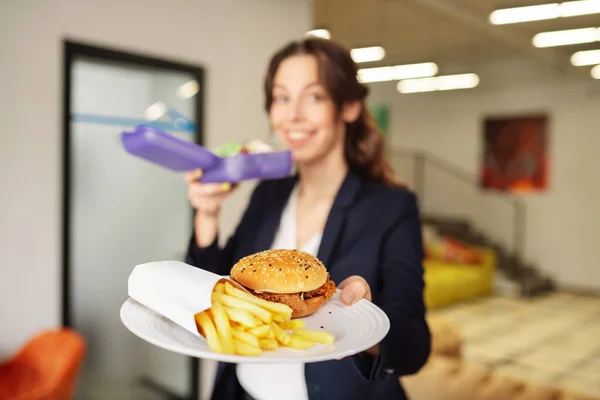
(280, 271)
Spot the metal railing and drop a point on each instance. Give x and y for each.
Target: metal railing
(448, 190)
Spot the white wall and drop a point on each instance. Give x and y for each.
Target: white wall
(232, 39)
(563, 223)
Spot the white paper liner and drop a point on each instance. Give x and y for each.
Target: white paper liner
(174, 289)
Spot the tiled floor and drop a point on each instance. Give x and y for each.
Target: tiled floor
(553, 340)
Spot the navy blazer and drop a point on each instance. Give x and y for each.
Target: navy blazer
(373, 231)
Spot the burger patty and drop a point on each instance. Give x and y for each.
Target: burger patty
(327, 290)
(294, 300)
(291, 299)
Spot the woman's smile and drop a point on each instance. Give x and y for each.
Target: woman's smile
(299, 138)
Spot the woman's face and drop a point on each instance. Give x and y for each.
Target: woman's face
(302, 114)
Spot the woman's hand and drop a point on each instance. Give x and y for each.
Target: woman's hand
(207, 199)
(355, 288)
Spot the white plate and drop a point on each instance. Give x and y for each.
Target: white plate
(355, 328)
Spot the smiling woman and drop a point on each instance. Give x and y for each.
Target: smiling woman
(346, 207)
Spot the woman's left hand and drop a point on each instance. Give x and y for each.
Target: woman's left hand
(353, 289)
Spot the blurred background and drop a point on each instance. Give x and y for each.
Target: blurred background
(490, 110)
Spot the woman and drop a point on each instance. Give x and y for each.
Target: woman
(345, 207)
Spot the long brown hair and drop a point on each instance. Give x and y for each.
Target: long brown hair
(364, 145)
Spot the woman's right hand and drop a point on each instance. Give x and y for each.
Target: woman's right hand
(207, 199)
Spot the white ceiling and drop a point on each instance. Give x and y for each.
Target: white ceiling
(449, 32)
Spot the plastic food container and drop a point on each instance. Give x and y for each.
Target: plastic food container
(168, 151)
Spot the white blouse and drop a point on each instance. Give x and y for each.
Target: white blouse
(280, 381)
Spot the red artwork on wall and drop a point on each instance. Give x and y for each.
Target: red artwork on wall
(515, 154)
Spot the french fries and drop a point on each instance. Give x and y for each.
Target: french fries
(243, 324)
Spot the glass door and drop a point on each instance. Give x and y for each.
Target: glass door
(122, 211)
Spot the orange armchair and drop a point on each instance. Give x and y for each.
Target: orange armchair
(46, 368)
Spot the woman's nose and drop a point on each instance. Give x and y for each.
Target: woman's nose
(295, 111)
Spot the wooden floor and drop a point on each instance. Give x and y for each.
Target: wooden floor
(553, 340)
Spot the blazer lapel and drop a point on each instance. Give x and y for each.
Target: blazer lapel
(337, 216)
(268, 228)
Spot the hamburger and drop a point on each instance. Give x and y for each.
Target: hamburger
(291, 277)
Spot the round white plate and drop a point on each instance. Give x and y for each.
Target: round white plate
(355, 328)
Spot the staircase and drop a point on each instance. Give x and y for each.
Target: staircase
(452, 202)
(528, 280)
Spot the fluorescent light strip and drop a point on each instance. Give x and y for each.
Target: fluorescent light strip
(596, 72)
(577, 8)
(544, 12)
(438, 83)
(367, 54)
(322, 33)
(586, 57)
(566, 37)
(397, 72)
(525, 14)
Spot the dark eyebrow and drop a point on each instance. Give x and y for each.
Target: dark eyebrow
(278, 86)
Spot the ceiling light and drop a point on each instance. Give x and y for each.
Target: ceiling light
(596, 72)
(397, 72)
(447, 82)
(567, 37)
(322, 33)
(576, 8)
(188, 89)
(586, 57)
(544, 11)
(155, 111)
(367, 54)
(523, 14)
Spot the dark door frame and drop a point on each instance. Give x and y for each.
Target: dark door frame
(71, 50)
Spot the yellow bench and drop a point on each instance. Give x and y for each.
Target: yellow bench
(447, 283)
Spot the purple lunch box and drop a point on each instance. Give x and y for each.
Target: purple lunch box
(166, 150)
(250, 166)
(178, 155)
